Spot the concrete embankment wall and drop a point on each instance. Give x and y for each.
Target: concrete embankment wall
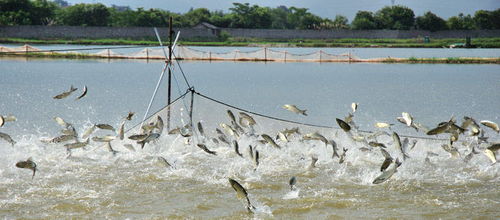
(79, 32)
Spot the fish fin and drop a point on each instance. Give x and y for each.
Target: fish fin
(304, 112)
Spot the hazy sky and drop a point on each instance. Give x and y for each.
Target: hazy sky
(323, 8)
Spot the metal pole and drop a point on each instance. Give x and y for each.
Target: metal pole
(170, 38)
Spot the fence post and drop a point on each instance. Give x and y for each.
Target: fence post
(265, 53)
(320, 52)
(210, 55)
(285, 56)
(147, 53)
(108, 52)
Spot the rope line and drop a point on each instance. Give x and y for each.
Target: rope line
(306, 124)
(149, 117)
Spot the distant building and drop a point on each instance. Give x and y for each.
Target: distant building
(121, 8)
(61, 3)
(204, 25)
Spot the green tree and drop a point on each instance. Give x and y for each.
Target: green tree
(395, 17)
(495, 19)
(85, 15)
(15, 12)
(340, 22)
(430, 21)
(219, 19)
(461, 22)
(43, 12)
(364, 20)
(196, 16)
(246, 16)
(483, 19)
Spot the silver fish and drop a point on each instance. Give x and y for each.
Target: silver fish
(129, 116)
(9, 118)
(28, 164)
(490, 152)
(159, 124)
(204, 148)
(407, 118)
(200, 129)
(399, 146)
(61, 122)
(83, 94)
(105, 127)
(334, 148)
(291, 131)
(294, 109)
(7, 138)
(491, 125)
(282, 137)
(108, 146)
(77, 144)
(354, 106)
(342, 157)
(346, 127)
(65, 94)
(2, 121)
(316, 136)
(451, 149)
(62, 138)
(121, 131)
(387, 161)
(241, 193)
(292, 182)
(256, 158)
(107, 138)
(383, 125)
(376, 144)
(250, 151)
(138, 137)
(149, 138)
(176, 130)
(246, 117)
(387, 173)
(313, 162)
(237, 148)
(270, 141)
(164, 161)
(231, 116)
(89, 131)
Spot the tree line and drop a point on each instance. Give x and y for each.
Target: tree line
(44, 12)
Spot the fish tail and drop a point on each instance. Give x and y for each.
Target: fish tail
(304, 112)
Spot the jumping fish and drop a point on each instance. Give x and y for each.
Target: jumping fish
(376, 144)
(138, 137)
(387, 161)
(62, 138)
(129, 116)
(2, 121)
(28, 164)
(164, 161)
(316, 136)
(105, 127)
(354, 106)
(108, 146)
(491, 125)
(294, 109)
(342, 157)
(77, 144)
(89, 131)
(9, 118)
(83, 94)
(106, 138)
(346, 127)
(387, 173)
(383, 125)
(451, 149)
(7, 138)
(176, 130)
(282, 137)
(149, 138)
(291, 131)
(61, 122)
(200, 129)
(65, 94)
(490, 152)
(204, 148)
(237, 148)
(241, 193)
(186, 131)
(399, 146)
(121, 131)
(256, 159)
(250, 151)
(270, 141)
(246, 117)
(334, 148)
(313, 162)
(228, 129)
(407, 118)
(292, 183)
(159, 124)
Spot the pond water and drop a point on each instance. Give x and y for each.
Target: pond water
(93, 182)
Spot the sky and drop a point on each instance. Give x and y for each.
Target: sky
(323, 8)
